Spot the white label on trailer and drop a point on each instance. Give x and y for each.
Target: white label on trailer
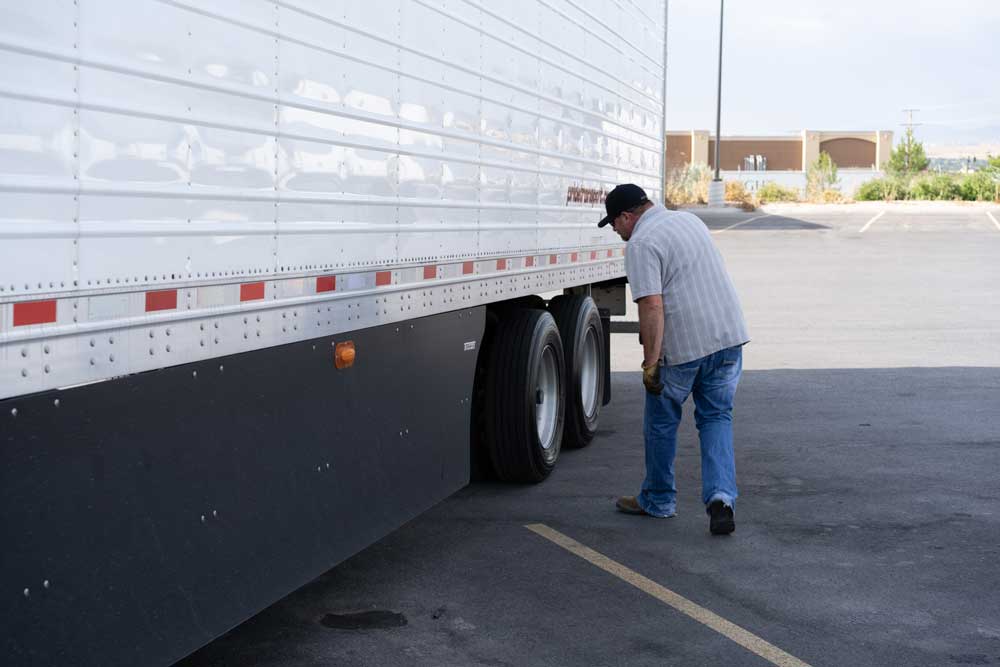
(471, 345)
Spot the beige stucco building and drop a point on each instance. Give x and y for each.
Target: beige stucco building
(868, 150)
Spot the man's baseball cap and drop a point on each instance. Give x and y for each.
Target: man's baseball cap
(622, 198)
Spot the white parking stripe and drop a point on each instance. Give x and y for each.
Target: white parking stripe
(719, 231)
(870, 222)
(990, 213)
(744, 638)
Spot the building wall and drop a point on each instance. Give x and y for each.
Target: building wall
(678, 150)
(782, 155)
(850, 152)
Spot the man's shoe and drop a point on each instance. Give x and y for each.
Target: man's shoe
(721, 520)
(629, 505)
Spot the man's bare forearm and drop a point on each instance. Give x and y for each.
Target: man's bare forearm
(651, 327)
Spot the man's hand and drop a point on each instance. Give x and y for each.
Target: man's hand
(651, 378)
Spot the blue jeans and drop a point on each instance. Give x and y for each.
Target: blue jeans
(713, 381)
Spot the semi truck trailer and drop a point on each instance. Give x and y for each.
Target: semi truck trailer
(275, 276)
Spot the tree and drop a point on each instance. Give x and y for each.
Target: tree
(821, 176)
(908, 158)
(993, 165)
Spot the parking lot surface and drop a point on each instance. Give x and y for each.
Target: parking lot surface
(868, 525)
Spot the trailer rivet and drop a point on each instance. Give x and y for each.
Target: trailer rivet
(56, 402)
(46, 349)
(24, 372)
(215, 513)
(27, 592)
(194, 374)
(221, 368)
(45, 583)
(13, 412)
(203, 518)
(24, 352)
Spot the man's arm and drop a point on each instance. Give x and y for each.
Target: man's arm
(651, 327)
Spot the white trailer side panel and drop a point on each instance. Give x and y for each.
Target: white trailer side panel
(182, 180)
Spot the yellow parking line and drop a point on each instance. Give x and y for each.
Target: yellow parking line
(990, 213)
(744, 638)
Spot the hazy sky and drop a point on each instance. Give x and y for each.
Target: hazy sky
(789, 65)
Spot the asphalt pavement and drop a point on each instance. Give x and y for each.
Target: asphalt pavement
(868, 524)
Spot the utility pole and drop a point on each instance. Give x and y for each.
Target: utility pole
(716, 189)
(663, 118)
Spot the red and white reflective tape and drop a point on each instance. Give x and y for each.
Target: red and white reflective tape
(43, 312)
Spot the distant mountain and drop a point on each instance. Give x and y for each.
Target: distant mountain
(959, 151)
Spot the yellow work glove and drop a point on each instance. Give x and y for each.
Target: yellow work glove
(651, 378)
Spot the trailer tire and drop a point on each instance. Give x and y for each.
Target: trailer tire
(579, 323)
(524, 399)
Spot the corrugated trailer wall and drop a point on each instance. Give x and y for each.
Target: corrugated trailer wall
(170, 166)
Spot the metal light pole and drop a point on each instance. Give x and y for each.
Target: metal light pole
(716, 189)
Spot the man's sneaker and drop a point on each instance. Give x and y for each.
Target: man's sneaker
(721, 520)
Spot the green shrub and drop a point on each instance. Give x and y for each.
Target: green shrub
(883, 189)
(821, 177)
(772, 191)
(937, 186)
(979, 186)
(873, 190)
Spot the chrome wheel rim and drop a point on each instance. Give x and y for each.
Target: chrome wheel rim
(589, 368)
(547, 398)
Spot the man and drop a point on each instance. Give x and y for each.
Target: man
(692, 331)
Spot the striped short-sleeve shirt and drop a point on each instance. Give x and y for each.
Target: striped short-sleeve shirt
(672, 253)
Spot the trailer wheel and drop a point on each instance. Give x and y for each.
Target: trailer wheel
(579, 324)
(523, 403)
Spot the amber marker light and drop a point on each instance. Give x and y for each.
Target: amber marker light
(343, 354)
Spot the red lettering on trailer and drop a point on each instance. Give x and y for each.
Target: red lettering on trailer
(430, 271)
(326, 284)
(553, 259)
(468, 267)
(593, 255)
(251, 291)
(165, 300)
(610, 253)
(34, 312)
(383, 278)
(529, 261)
(574, 257)
(501, 265)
